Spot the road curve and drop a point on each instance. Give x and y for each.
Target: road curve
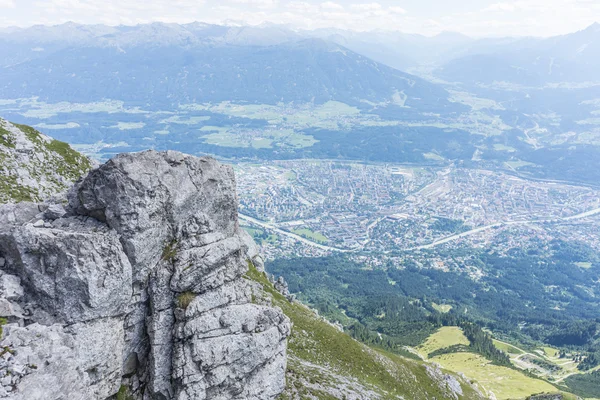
(289, 234)
(498, 224)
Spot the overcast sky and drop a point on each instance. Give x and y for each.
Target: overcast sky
(429, 17)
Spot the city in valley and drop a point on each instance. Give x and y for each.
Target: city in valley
(315, 207)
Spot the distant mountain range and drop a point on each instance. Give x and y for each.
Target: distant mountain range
(396, 97)
(572, 57)
(162, 65)
(531, 62)
(270, 63)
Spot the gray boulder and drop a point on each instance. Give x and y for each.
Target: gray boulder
(137, 285)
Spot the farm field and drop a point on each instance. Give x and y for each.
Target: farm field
(501, 382)
(445, 337)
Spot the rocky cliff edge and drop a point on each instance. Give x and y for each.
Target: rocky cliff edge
(133, 285)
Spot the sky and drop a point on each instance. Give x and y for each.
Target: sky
(477, 18)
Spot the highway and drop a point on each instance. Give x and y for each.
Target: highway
(498, 224)
(426, 246)
(289, 234)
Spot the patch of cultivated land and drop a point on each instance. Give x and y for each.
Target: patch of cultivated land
(503, 382)
(443, 308)
(508, 348)
(308, 234)
(445, 337)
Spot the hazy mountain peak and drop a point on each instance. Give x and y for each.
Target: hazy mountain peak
(595, 27)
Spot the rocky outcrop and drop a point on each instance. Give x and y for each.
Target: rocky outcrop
(34, 166)
(135, 284)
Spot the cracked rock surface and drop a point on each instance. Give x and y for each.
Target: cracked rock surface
(135, 283)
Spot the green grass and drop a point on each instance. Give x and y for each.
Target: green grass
(262, 143)
(308, 234)
(11, 189)
(59, 159)
(505, 383)
(507, 348)
(3, 321)
(178, 120)
(443, 308)
(75, 163)
(185, 299)
(316, 342)
(550, 351)
(169, 251)
(266, 138)
(6, 138)
(433, 157)
(585, 265)
(258, 235)
(123, 393)
(224, 138)
(444, 337)
(501, 147)
(33, 135)
(127, 126)
(518, 164)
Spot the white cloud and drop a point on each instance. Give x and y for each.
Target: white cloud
(366, 7)
(330, 5)
(495, 17)
(501, 7)
(397, 10)
(257, 3)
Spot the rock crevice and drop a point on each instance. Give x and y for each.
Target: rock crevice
(135, 281)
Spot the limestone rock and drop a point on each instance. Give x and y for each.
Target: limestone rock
(150, 198)
(139, 282)
(81, 361)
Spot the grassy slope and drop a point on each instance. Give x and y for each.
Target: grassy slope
(444, 337)
(503, 382)
(58, 165)
(322, 360)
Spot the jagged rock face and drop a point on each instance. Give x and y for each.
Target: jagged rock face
(138, 281)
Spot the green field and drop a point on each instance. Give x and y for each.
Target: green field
(550, 351)
(501, 147)
(444, 337)
(127, 126)
(507, 348)
(443, 308)
(177, 119)
(308, 234)
(518, 164)
(433, 156)
(223, 138)
(264, 139)
(503, 382)
(260, 236)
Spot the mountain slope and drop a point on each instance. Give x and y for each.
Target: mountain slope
(34, 166)
(180, 68)
(568, 58)
(325, 363)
